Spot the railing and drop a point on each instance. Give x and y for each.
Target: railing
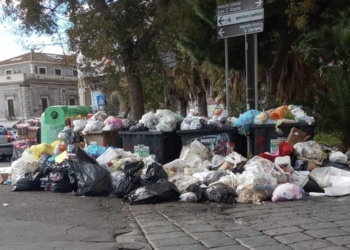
(38, 77)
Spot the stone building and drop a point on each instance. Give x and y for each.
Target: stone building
(31, 82)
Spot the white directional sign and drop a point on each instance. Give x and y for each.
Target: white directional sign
(241, 17)
(169, 59)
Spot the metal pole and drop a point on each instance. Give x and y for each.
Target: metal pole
(250, 68)
(256, 71)
(226, 77)
(164, 87)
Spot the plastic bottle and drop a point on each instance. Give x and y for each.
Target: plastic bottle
(279, 113)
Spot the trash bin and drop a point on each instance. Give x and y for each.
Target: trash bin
(53, 120)
(221, 139)
(165, 145)
(265, 138)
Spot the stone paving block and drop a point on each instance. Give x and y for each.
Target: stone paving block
(311, 244)
(130, 238)
(243, 233)
(283, 230)
(331, 216)
(246, 213)
(156, 224)
(160, 230)
(319, 225)
(199, 228)
(277, 217)
(346, 229)
(234, 247)
(257, 241)
(136, 245)
(266, 226)
(173, 242)
(297, 221)
(335, 248)
(326, 232)
(145, 220)
(291, 238)
(208, 235)
(191, 222)
(166, 235)
(184, 247)
(340, 240)
(148, 216)
(343, 223)
(218, 242)
(274, 247)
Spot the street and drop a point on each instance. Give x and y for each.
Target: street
(4, 163)
(45, 220)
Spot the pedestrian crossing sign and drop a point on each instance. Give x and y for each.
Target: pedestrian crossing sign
(101, 100)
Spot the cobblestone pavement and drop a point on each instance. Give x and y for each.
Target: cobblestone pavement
(318, 223)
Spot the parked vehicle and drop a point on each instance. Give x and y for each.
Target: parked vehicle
(6, 146)
(14, 135)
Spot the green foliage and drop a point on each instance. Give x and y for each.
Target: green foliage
(113, 105)
(333, 109)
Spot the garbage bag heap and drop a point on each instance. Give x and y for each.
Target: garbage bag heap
(198, 175)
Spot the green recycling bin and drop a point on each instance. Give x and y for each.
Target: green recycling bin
(53, 120)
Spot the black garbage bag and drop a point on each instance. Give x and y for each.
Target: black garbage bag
(328, 163)
(198, 191)
(215, 176)
(312, 186)
(162, 191)
(81, 155)
(127, 124)
(16, 154)
(129, 181)
(44, 167)
(92, 179)
(28, 182)
(221, 193)
(64, 181)
(238, 170)
(155, 172)
(138, 127)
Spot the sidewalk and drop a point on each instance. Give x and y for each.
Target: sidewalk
(318, 223)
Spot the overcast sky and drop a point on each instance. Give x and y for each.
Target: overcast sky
(12, 45)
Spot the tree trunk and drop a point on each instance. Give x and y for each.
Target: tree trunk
(183, 107)
(202, 105)
(274, 73)
(126, 113)
(135, 90)
(200, 92)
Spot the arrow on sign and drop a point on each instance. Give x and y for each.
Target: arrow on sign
(220, 20)
(221, 32)
(259, 3)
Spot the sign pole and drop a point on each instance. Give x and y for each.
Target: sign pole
(250, 72)
(256, 71)
(226, 77)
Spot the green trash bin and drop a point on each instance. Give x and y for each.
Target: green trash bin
(53, 120)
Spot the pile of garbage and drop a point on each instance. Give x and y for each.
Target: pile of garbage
(282, 114)
(198, 175)
(220, 119)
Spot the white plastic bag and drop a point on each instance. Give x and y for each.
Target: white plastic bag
(330, 177)
(338, 157)
(149, 120)
(79, 125)
(99, 116)
(93, 126)
(162, 127)
(173, 168)
(183, 182)
(287, 191)
(166, 116)
(255, 187)
(109, 127)
(217, 161)
(26, 164)
(309, 150)
(201, 176)
(235, 158)
(230, 180)
(299, 179)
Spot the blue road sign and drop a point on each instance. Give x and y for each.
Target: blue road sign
(101, 100)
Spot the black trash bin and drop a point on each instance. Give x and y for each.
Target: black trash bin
(220, 138)
(165, 145)
(263, 134)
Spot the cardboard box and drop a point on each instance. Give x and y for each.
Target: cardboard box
(102, 138)
(226, 166)
(32, 135)
(296, 135)
(22, 131)
(3, 177)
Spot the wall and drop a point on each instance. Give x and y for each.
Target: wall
(10, 91)
(23, 68)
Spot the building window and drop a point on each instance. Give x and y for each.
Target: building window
(42, 71)
(44, 103)
(11, 108)
(71, 101)
(75, 73)
(58, 72)
(8, 71)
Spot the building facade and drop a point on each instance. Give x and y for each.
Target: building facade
(31, 82)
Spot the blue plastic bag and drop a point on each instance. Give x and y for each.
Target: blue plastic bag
(96, 150)
(246, 121)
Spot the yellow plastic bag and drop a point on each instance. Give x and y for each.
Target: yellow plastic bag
(54, 144)
(38, 150)
(60, 158)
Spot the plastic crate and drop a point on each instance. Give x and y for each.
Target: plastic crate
(220, 138)
(263, 134)
(165, 145)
